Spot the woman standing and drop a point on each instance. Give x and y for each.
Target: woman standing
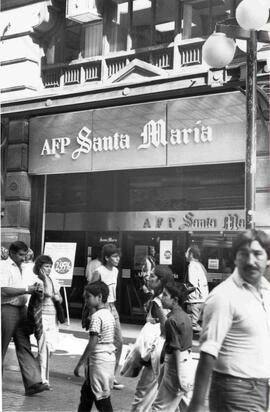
(50, 331)
(147, 385)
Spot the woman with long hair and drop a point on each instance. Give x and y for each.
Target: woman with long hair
(48, 340)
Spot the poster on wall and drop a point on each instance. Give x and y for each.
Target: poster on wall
(165, 252)
(63, 257)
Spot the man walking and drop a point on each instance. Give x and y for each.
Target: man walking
(235, 337)
(14, 292)
(197, 278)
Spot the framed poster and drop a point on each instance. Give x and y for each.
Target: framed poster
(165, 252)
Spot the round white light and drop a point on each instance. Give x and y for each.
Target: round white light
(251, 14)
(218, 50)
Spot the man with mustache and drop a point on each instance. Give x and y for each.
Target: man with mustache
(235, 337)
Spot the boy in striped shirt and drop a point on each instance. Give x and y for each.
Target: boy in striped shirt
(99, 354)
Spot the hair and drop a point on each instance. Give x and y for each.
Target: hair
(4, 253)
(164, 274)
(97, 288)
(177, 291)
(108, 250)
(29, 255)
(41, 260)
(194, 249)
(245, 238)
(15, 247)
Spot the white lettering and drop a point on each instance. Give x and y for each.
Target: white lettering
(57, 145)
(46, 148)
(154, 132)
(84, 142)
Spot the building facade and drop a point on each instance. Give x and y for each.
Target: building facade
(115, 130)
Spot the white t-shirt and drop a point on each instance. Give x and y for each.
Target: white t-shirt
(197, 276)
(91, 267)
(110, 278)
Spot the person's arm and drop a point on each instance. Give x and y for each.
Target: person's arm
(13, 292)
(95, 276)
(89, 348)
(202, 381)
(160, 316)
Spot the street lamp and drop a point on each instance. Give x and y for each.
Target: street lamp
(218, 51)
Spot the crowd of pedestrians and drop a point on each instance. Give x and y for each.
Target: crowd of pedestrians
(232, 321)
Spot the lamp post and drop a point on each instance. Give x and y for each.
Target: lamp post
(218, 51)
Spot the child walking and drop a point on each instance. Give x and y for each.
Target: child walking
(99, 354)
(177, 379)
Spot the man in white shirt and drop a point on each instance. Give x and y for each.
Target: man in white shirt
(14, 293)
(197, 278)
(235, 338)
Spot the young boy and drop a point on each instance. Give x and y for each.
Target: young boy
(177, 379)
(99, 354)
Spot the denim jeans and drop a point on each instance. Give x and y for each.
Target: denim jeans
(230, 394)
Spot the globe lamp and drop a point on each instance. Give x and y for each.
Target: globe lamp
(252, 14)
(218, 50)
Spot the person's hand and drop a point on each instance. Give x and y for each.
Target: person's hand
(42, 274)
(57, 297)
(77, 371)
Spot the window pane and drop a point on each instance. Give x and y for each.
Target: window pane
(72, 42)
(165, 21)
(141, 30)
(93, 39)
(197, 17)
(117, 31)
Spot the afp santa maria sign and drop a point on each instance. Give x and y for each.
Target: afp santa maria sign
(187, 131)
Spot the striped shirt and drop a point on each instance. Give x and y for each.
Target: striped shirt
(103, 325)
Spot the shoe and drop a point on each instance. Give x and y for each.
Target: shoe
(118, 386)
(48, 387)
(36, 388)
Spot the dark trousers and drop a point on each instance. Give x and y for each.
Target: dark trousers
(88, 398)
(229, 394)
(14, 325)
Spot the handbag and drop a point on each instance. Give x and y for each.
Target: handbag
(60, 314)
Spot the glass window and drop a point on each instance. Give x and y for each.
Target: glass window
(199, 17)
(141, 27)
(93, 39)
(165, 21)
(117, 26)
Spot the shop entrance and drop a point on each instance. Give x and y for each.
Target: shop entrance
(134, 249)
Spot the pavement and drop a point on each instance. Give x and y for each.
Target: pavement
(66, 387)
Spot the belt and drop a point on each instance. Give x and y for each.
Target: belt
(257, 381)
